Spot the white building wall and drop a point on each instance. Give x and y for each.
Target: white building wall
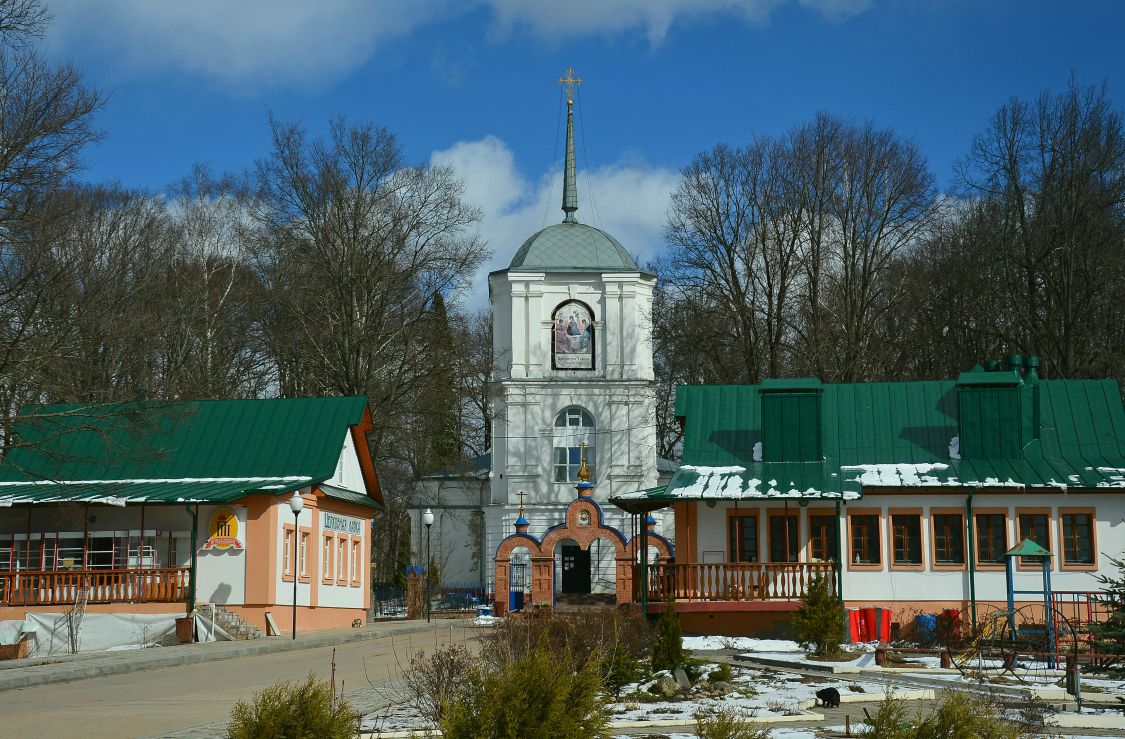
(221, 573)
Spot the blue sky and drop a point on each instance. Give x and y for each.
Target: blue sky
(472, 83)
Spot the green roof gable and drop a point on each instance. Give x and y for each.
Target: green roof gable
(199, 450)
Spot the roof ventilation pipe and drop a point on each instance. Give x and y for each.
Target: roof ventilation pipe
(1014, 362)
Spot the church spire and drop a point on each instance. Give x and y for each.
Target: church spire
(570, 187)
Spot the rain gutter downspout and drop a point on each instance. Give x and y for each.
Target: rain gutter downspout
(972, 556)
(194, 547)
(839, 555)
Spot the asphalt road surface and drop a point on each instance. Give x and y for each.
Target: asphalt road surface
(195, 701)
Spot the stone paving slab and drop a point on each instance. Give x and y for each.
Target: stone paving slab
(43, 671)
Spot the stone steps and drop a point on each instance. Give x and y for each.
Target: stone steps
(233, 624)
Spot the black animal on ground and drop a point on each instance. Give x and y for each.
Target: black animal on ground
(829, 697)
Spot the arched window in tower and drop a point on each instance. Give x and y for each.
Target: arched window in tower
(572, 336)
(572, 427)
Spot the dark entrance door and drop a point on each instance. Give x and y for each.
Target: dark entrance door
(575, 570)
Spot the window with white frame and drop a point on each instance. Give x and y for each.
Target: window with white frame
(355, 561)
(573, 426)
(341, 559)
(286, 556)
(301, 557)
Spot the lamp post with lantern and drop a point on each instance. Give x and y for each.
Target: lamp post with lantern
(296, 504)
(428, 519)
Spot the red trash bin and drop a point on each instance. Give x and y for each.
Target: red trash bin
(951, 623)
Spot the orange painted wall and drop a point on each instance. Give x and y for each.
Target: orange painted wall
(308, 619)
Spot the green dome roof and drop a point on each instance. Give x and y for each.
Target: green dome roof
(572, 247)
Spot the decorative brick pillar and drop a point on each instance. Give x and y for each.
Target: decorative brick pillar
(542, 580)
(624, 579)
(415, 586)
(503, 587)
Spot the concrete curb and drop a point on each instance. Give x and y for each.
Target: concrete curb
(644, 724)
(120, 663)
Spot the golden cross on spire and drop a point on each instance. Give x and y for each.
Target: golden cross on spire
(522, 495)
(570, 83)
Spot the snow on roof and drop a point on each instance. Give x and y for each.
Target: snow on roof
(895, 475)
(731, 483)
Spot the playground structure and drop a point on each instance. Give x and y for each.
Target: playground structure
(1034, 641)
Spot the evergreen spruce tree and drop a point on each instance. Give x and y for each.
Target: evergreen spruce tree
(1109, 635)
(820, 622)
(668, 643)
(438, 404)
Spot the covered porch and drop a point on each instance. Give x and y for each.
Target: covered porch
(67, 587)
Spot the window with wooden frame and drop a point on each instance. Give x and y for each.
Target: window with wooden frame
(326, 565)
(906, 539)
(287, 553)
(742, 537)
(1079, 539)
(991, 538)
(1033, 524)
(355, 562)
(947, 529)
(865, 551)
(783, 529)
(341, 560)
(823, 544)
(302, 555)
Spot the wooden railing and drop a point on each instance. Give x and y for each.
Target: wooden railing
(59, 587)
(736, 581)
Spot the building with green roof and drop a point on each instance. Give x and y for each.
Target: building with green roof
(917, 488)
(147, 507)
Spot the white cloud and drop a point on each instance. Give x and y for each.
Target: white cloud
(631, 201)
(551, 18)
(238, 41)
(285, 42)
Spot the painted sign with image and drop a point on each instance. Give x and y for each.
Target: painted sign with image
(572, 336)
(222, 531)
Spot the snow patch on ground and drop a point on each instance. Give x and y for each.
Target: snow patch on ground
(740, 643)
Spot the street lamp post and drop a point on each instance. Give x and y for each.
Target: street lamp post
(428, 519)
(296, 504)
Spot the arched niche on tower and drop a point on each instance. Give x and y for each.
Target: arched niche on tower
(573, 345)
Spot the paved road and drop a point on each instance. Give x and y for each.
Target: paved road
(195, 700)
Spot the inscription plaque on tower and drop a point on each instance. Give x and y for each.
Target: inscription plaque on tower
(572, 337)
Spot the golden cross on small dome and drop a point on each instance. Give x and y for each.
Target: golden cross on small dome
(583, 470)
(522, 495)
(570, 83)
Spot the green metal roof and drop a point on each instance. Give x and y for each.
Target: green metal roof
(210, 450)
(572, 247)
(349, 496)
(894, 434)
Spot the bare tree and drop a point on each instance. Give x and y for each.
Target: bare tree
(353, 245)
(211, 342)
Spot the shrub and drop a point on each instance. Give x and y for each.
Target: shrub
(727, 723)
(528, 697)
(668, 642)
(721, 674)
(957, 716)
(305, 710)
(576, 637)
(619, 669)
(890, 721)
(1109, 635)
(432, 681)
(820, 622)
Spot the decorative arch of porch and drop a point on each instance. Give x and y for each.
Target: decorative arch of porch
(583, 523)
